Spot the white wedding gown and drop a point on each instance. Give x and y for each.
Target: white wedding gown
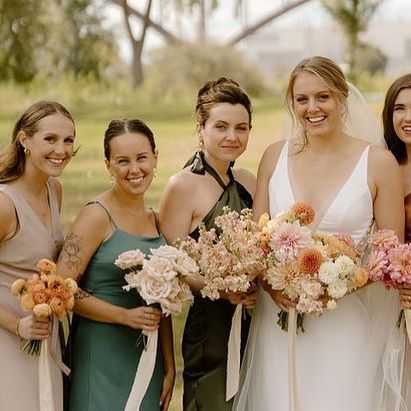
(340, 355)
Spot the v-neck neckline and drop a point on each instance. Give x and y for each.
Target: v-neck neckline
(323, 212)
(36, 217)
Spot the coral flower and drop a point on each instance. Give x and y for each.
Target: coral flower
(339, 246)
(46, 266)
(303, 212)
(309, 261)
(55, 285)
(57, 307)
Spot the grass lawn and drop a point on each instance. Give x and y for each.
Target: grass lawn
(86, 175)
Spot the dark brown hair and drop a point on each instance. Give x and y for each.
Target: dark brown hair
(222, 90)
(119, 127)
(394, 143)
(12, 157)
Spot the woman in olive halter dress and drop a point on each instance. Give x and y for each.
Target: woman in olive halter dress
(195, 195)
(30, 197)
(107, 343)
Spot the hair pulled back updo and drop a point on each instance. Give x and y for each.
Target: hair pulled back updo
(123, 126)
(394, 143)
(12, 157)
(222, 90)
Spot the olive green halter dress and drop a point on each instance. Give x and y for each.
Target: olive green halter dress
(106, 356)
(208, 324)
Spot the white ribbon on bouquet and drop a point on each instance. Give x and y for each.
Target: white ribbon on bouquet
(50, 354)
(233, 355)
(293, 399)
(144, 372)
(407, 315)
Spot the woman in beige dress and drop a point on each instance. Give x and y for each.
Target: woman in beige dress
(30, 196)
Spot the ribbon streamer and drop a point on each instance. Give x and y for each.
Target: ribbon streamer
(144, 372)
(407, 314)
(233, 356)
(293, 400)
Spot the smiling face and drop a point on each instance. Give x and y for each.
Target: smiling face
(226, 131)
(401, 116)
(317, 109)
(51, 146)
(131, 163)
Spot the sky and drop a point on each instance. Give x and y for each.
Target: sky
(222, 24)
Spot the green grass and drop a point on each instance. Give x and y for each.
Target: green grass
(174, 128)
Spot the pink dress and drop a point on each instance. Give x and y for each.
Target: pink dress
(19, 380)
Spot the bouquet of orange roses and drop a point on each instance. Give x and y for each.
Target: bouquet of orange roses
(45, 294)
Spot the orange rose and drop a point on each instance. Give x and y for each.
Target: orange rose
(46, 266)
(57, 307)
(56, 285)
(40, 296)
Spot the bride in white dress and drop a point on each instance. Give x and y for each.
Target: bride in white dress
(348, 359)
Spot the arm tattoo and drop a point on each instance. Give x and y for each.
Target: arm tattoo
(81, 294)
(70, 254)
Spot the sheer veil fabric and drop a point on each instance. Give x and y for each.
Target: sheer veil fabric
(383, 345)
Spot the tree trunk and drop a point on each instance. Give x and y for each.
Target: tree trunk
(137, 45)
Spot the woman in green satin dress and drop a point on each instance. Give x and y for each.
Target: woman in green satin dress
(107, 343)
(195, 195)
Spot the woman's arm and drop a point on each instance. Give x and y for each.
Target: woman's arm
(167, 348)
(90, 229)
(176, 216)
(388, 191)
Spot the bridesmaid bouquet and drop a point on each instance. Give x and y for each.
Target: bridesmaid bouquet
(313, 269)
(389, 261)
(45, 294)
(159, 279)
(230, 256)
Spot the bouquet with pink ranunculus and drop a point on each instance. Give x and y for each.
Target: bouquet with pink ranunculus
(229, 256)
(45, 294)
(312, 269)
(388, 260)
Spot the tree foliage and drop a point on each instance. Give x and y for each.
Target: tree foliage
(353, 17)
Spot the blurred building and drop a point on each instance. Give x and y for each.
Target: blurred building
(278, 49)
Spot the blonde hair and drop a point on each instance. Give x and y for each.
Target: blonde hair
(327, 71)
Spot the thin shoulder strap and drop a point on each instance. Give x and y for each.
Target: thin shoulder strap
(105, 209)
(156, 221)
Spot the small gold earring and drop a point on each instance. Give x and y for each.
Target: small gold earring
(26, 151)
(111, 178)
(154, 171)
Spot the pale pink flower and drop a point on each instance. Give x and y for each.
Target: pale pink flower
(289, 239)
(399, 267)
(383, 240)
(376, 265)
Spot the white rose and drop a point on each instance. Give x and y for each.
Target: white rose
(185, 265)
(130, 259)
(154, 288)
(337, 289)
(344, 265)
(327, 273)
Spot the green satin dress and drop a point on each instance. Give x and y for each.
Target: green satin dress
(105, 356)
(208, 323)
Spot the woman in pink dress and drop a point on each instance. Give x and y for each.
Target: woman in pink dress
(30, 196)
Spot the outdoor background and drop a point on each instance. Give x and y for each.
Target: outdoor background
(106, 59)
